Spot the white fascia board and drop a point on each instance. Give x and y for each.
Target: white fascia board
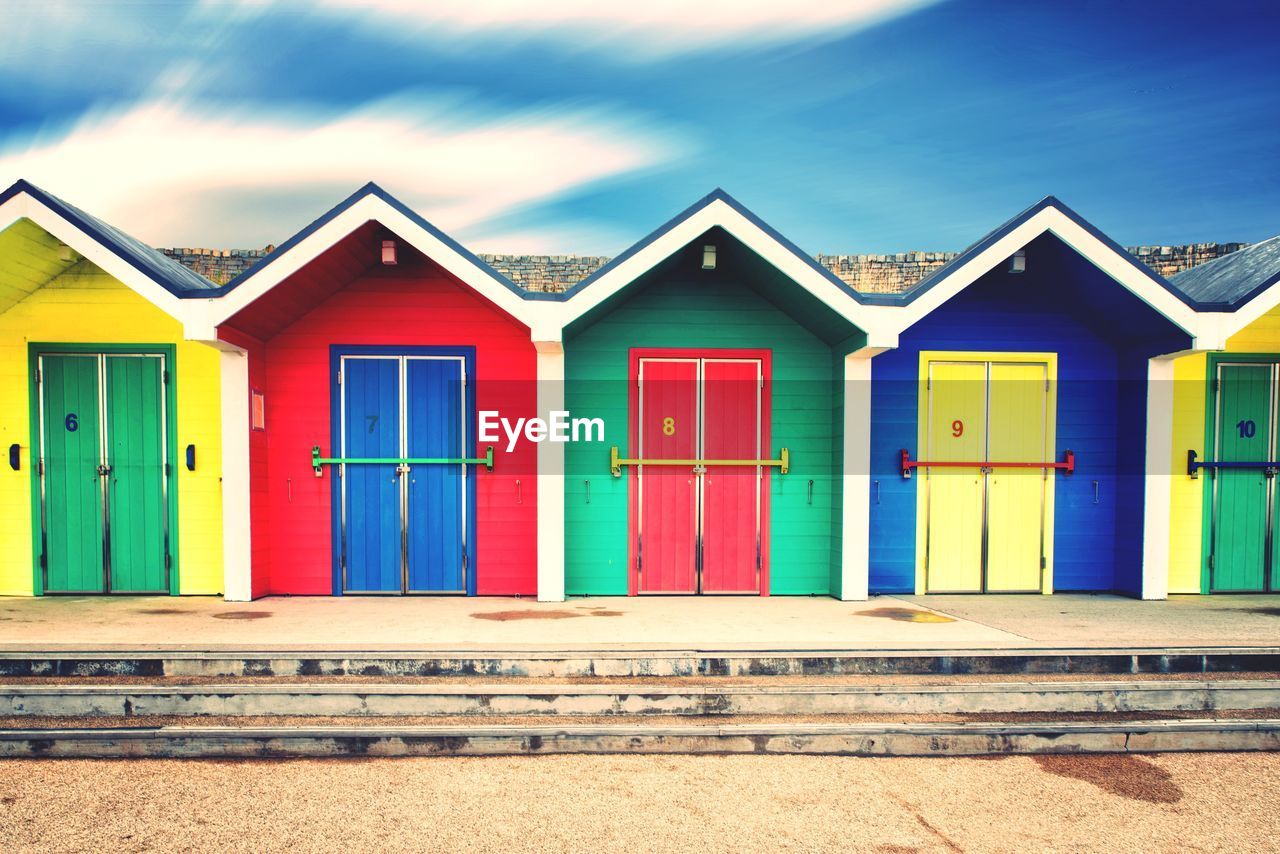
(1232, 322)
(1122, 270)
(718, 213)
(1101, 255)
(23, 205)
(369, 208)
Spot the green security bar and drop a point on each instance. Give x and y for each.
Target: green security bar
(317, 461)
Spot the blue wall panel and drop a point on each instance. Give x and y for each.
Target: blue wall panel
(1103, 337)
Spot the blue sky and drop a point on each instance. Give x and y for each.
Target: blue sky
(574, 126)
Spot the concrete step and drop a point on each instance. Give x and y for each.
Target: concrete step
(566, 663)
(443, 698)
(869, 739)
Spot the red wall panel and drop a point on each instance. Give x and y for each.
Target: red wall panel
(416, 304)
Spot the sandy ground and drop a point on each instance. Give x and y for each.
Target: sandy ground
(1172, 802)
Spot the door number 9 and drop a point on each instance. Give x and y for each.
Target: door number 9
(957, 428)
(668, 426)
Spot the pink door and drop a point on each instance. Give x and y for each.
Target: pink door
(698, 528)
(731, 390)
(668, 429)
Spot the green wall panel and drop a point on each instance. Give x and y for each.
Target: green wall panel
(703, 309)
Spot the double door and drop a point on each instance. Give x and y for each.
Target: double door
(103, 472)
(699, 528)
(1243, 530)
(403, 525)
(986, 524)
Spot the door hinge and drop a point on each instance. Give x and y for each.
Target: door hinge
(1044, 563)
(44, 561)
(639, 555)
(1211, 561)
(40, 467)
(1214, 385)
(339, 377)
(757, 553)
(165, 376)
(464, 559)
(1046, 383)
(168, 561)
(928, 383)
(37, 376)
(168, 470)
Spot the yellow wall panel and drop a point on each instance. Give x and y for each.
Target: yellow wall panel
(86, 306)
(1186, 495)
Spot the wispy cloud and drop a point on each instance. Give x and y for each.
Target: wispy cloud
(176, 173)
(628, 31)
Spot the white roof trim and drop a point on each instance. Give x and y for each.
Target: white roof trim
(875, 323)
(23, 205)
(369, 208)
(1102, 256)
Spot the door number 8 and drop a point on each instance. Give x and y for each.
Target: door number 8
(668, 426)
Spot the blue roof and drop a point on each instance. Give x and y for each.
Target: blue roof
(155, 265)
(714, 196)
(940, 275)
(372, 189)
(1229, 282)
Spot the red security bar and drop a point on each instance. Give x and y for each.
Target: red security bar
(1068, 464)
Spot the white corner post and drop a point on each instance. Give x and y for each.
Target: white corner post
(1157, 488)
(550, 475)
(855, 558)
(237, 567)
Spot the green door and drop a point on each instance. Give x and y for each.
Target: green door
(104, 509)
(137, 530)
(1242, 497)
(71, 505)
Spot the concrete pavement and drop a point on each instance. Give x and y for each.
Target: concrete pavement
(745, 623)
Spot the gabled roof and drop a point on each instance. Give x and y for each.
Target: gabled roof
(940, 275)
(718, 209)
(1227, 283)
(369, 203)
(150, 263)
(1052, 216)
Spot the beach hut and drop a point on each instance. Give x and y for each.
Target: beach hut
(715, 355)
(1224, 447)
(371, 343)
(1015, 446)
(109, 416)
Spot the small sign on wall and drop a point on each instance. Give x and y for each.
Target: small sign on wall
(257, 410)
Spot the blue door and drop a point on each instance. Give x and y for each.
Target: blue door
(437, 493)
(403, 524)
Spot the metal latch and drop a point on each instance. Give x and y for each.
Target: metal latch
(699, 469)
(402, 469)
(104, 470)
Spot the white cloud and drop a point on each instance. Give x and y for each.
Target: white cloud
(643, 30)
(182, 174)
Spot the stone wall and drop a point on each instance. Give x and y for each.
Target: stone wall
(219, 265)
(876, 274)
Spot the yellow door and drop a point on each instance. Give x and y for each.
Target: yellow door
(957, 431)
(1017, 432)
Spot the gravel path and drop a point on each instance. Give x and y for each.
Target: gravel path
(1174, 802)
